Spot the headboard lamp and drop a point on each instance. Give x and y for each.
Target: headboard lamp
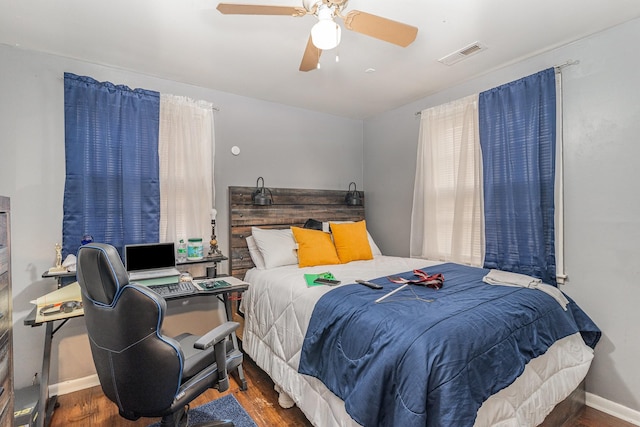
(260, 196)
(353, 197)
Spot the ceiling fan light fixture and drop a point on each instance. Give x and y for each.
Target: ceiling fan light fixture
(326, 34)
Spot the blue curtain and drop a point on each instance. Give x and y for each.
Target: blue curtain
(517, 137)
(112, 189)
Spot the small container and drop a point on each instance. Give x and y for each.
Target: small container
(194, 249)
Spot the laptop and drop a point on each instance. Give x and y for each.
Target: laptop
(150, 261)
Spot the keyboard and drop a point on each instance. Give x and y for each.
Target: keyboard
(173, 289)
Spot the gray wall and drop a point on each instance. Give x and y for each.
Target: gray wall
(289, 147)
(602, 180)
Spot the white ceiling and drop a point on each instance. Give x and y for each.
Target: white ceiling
(258, 56)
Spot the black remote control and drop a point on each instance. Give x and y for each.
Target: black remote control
(330, 282)
(369, 284)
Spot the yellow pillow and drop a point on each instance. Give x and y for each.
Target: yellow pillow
(314, 247)
(351, 241)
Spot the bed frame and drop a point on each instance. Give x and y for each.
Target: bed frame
(292, 207)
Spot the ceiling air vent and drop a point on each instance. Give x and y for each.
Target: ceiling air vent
(463, 53)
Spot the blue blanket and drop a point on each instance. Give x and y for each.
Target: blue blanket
(409, 362)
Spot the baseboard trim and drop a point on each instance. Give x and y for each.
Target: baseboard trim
(612, 408)
(74, 385)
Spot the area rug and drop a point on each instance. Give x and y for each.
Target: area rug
(224, 408)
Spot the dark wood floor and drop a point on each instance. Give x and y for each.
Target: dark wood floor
(593, 418)
(90, 407)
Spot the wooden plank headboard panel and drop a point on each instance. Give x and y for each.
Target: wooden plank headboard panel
(291, 207)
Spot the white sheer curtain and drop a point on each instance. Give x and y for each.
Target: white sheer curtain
(186, 149)
(561, 274)
(447, 217)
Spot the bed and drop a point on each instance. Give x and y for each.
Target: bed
(278, 309)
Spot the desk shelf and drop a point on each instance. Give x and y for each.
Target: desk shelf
(205, 267)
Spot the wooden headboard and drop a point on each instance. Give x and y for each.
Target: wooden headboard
(291, 207)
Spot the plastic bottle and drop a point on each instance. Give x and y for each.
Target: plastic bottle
(182, 251)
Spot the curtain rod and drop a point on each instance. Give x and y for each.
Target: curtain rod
(566, 64)
(559, 67)
(214, 108)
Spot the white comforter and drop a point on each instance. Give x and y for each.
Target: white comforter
(278, 306)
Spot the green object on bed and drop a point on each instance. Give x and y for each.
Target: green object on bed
(311, 277)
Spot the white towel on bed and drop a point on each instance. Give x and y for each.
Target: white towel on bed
(507, 278)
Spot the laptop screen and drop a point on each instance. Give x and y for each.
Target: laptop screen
(149, 256)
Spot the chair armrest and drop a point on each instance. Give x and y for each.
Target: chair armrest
(216, 335)
(216, 338)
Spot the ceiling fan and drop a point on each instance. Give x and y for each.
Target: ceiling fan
(325, 34)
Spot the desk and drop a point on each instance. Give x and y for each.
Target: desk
(47, 404)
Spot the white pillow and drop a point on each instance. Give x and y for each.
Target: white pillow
(277, 247)
(256, 256)
(375, 250)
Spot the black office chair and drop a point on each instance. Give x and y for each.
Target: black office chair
(142, 371)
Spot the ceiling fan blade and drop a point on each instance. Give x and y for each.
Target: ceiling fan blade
(311, 57)
(381, 28)
(256, 9)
